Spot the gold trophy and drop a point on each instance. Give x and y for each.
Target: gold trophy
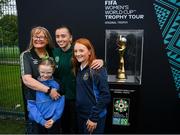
(121, 75)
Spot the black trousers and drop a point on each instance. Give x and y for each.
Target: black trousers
(69, 118)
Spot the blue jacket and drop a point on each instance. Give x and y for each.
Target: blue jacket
(44, 108)
(89, 105)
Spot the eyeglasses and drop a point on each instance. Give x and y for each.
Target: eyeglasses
(41, 38)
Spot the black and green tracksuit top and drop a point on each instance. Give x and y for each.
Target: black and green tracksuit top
(64, 71)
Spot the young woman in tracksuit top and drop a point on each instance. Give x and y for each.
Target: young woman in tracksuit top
(91, 102)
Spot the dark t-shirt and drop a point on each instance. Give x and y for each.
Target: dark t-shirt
(29, 65)
(29, 61)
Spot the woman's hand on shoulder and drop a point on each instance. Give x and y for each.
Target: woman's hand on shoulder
(97, 64)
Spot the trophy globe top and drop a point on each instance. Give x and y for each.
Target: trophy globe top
(122, 42)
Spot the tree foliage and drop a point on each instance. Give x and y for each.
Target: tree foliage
(9, 30)
(2, 4)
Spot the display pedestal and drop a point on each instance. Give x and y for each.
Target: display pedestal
(124, 60)
(123, 111)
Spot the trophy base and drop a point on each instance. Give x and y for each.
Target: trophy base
(121, 77)
(121, 80)
(128, 79)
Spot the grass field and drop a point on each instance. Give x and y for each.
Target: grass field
(11, 101)
(12, 127)
(10, 85)
(10, 88)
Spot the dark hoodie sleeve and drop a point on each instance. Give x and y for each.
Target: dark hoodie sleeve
(100, 80)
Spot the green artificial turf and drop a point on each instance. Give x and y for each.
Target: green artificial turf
(12, 127)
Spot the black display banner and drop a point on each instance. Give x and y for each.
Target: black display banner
(156, 105)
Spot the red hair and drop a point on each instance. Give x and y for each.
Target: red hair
(90, 47)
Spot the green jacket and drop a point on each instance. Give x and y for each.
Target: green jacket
(64, 71)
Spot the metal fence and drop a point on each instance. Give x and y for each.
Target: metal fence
(11, 100)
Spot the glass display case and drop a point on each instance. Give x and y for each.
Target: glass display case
(124, 55)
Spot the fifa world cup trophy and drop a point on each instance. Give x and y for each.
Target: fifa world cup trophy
(121, 75)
